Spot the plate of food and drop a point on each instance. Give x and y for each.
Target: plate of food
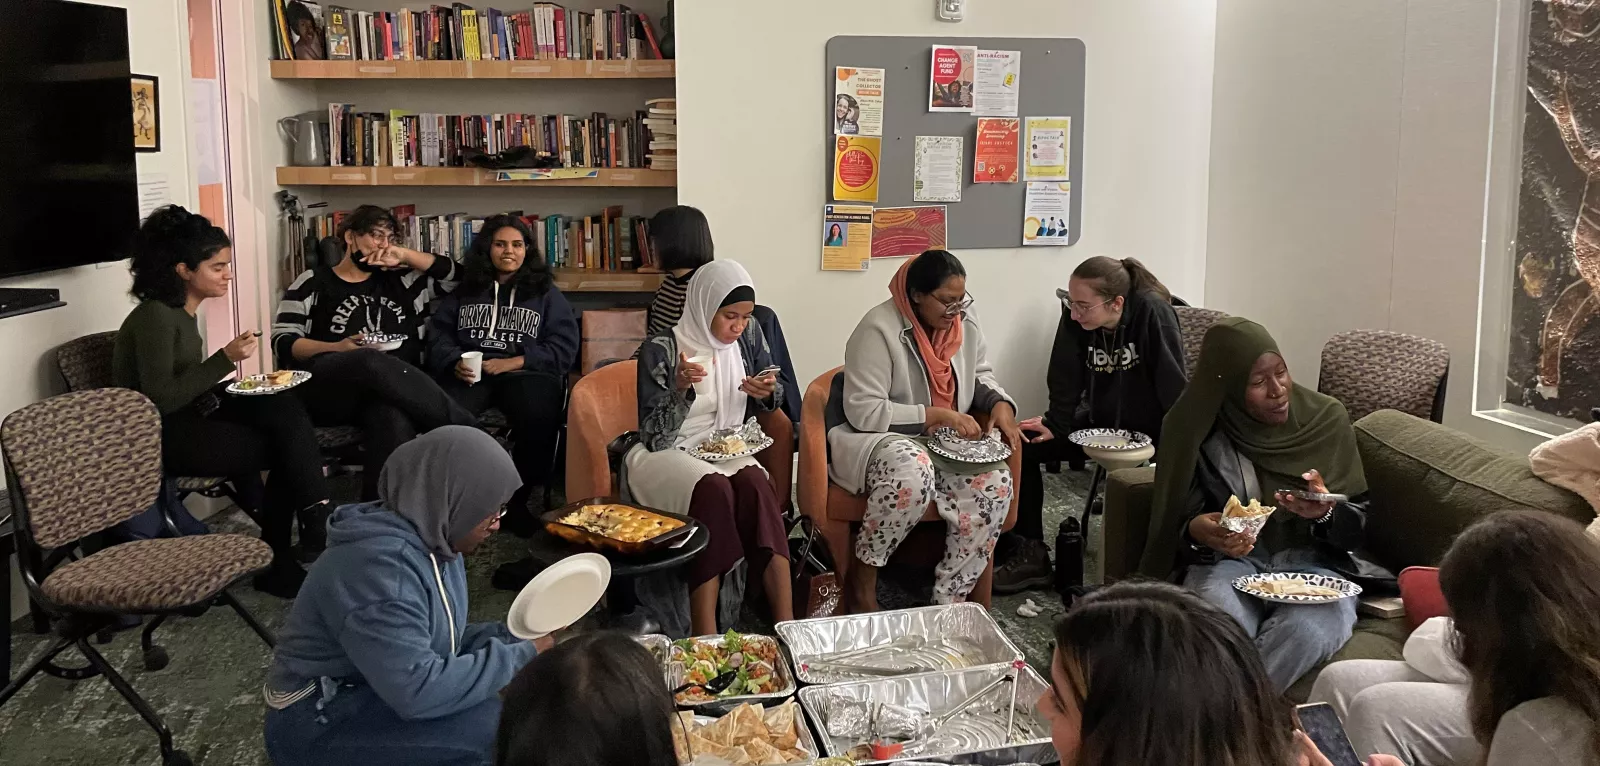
(989, 449)
(1297, 587)
(732, 443)
(759, 672)
(1249, 519)
(268, 383)
(746, 736)
(605, 524)
(1109, 439)
(382, 341)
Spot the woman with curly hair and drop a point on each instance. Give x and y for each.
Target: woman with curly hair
(179, 260)
(508, 309)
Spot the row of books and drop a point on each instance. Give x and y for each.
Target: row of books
(399, 138)
(459, 33)
(606, 241)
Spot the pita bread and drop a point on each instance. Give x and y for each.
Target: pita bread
(719, 731)
(747, 723)
(796, 755)
(781, 725)
(762, 754)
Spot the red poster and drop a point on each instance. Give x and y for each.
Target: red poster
(994, 158)
(898, 232)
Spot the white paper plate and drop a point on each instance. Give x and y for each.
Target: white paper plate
(559, 596)
(1109, 439)
(384, 342)
(1250, 585)
(262, 388)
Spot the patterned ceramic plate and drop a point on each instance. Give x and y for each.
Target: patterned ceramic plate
(383, 342)
(754, 440)
(1110, 439)
(260, 385)
(1296, 588)
(990, 449)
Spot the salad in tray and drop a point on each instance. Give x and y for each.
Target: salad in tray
(751, 658)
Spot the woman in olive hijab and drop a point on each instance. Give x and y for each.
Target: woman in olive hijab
(1242, 427)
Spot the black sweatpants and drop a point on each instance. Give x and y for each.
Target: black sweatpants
(391, 400)
(1030, 486)
(532, 402)
(243, 437)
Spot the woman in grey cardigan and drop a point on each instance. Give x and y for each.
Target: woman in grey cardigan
(681, 403)
(914, 364)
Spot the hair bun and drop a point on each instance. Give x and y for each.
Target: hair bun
(169, 218)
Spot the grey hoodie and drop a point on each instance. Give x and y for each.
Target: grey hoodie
(382, 606)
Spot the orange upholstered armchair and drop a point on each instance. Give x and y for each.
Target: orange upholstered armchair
(834, 510)
(605, 405)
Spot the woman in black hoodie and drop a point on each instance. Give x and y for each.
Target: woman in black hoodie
(1117, 363)
(508, 309)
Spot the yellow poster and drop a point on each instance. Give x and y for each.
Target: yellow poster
(855, 168)
(846, 237)
(1046, 148)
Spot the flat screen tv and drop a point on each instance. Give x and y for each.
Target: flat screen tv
(68, 182)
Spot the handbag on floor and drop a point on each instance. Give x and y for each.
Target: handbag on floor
(817, 591)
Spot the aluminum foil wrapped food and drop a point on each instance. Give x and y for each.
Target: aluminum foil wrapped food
(900, 642)
(860, 719)
(991, 726)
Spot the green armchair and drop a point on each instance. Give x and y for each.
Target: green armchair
(1427, 482)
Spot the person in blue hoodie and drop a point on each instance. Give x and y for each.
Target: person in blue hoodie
(376, 662)
(508, 308)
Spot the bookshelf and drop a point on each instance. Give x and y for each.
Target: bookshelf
(593, 281)
(625, 69)
(357, 175)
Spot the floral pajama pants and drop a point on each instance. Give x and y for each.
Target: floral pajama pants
(901, 480)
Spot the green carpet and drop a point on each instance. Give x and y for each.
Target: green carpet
(210, 694)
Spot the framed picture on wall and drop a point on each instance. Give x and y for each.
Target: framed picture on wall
(146, 113)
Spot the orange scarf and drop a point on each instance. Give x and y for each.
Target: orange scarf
(936, 351)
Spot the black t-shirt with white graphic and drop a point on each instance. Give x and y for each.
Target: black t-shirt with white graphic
(322, 306)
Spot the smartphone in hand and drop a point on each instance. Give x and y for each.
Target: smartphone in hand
(769, 373)
(1322, 725)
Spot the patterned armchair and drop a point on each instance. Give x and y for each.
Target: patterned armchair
(76, 465)
(1193, 324)
(1371, 370)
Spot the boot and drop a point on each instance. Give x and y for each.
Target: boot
(1027, 567)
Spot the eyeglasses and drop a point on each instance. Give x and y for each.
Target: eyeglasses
(952, 308)
(1080, 307)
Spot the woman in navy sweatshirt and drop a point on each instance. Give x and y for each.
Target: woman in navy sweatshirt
(508, 309)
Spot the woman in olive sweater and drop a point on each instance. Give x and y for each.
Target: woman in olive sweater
(179, 260)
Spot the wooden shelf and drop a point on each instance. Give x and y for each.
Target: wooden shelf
(414, 176)
(586, 281)
(620, 69)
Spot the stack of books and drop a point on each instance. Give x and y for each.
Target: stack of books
(459, 33)
(606, 241)
(399, 138)
(662, 123)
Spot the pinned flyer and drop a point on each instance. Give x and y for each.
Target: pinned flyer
(846, 237)
(997, 84)
(950, 87)
(994, 156)
(1045, 213)
(936, 171)
(857, 102)
(1046, 149)
(900, 232)
(856, 167)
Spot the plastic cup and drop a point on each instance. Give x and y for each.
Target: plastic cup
(474, 360)
(704, 360)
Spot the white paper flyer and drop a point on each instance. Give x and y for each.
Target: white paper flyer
(1045, 213)
(998, 83)
(857, 102)
(937, 170)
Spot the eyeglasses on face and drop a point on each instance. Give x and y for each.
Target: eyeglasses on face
(952, 308)
(1080, 307)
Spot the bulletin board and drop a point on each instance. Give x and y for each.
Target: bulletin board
(989, 215)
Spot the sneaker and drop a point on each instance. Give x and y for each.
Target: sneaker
(1028, 567)
(283, 579)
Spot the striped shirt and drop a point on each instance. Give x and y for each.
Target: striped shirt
(321, 306)
(667, 307)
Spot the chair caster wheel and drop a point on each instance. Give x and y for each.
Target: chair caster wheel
(155, 658)
(176, 758)
(104, 637)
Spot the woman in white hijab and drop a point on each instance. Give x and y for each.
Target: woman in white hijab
(681, 403)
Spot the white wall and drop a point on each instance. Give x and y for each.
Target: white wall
(97, 296)
(1349, 150)
(751, 89)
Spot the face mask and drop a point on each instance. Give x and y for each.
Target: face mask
(356, 256)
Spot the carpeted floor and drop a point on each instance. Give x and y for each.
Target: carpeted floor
(210, 693)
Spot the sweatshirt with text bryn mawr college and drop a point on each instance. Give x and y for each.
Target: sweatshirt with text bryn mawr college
(504, 322)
